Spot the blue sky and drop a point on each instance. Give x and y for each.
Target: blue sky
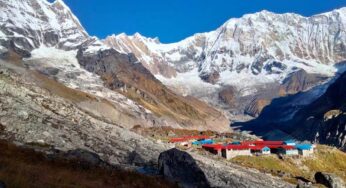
(173, 20)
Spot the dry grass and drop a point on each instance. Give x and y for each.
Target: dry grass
(328, 159)
(325, 159)
(25, 168)
(60, 89)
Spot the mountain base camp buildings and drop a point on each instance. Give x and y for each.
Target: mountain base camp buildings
(246, 148)
(229, 151)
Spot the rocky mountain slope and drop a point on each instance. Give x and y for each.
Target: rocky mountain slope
(324, 121)
(252, 54)
(318, 121)
(51, 39)
(26, 25)
(38, 111)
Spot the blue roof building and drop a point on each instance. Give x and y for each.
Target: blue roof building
(236, 143)
(202, 142)
(304, 146)
(305, 149)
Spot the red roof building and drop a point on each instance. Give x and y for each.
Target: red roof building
(236, 147)
(212, 146)
(268, 142)
(187, 138)
(286, 147)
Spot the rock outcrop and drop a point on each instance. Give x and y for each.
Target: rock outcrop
(179, 166)
(299, 81)
(329, 180)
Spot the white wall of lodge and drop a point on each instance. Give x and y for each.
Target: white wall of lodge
(265, 152)
(306, 152)
(229, 153)
(289, 152)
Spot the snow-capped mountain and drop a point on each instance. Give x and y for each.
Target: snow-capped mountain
(249, 44)
(47, 37)
(26, 25)
(244, 53)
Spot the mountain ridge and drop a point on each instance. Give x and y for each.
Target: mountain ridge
(48, 37)
(250, 53)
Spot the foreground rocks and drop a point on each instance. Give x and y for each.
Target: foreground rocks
(179, 166)
(33, 116)
(329, 180)
(192, 170)
(303, 184)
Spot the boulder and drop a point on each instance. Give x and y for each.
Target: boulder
(179, 166)
(134, 158)
(329, 180)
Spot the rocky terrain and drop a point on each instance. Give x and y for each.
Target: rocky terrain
(324, 121)
(318, 121)
(122, 73)
(32, 115)
(180, 166)
(27, 167)
(255, 55)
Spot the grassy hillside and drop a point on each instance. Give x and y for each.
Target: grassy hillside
(325, 159)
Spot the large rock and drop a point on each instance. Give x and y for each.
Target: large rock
(179, 166)
(329, 180)
(84, 156)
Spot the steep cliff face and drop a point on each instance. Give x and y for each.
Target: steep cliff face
(324, 121)
(247, 53)
(26, 25)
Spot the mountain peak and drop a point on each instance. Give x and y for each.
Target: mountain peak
(61, 3)
(341, 10)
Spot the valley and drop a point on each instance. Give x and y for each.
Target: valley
(110, 111)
